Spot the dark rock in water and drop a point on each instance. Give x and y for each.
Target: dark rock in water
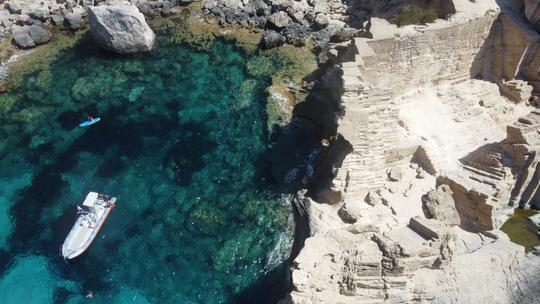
(272, 39)
(22, 38)
(120, 28)
(39, 34)
(73, 20)
(296, 34)
(279, 20)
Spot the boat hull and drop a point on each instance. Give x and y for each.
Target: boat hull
(88, 224)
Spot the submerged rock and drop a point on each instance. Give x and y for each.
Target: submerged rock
(120, 28)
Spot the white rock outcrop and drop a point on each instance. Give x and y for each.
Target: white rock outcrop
(411, 107)
(120, 28)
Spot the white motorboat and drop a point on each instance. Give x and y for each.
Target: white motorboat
(90, 218)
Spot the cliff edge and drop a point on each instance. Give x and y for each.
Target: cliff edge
(444, 132)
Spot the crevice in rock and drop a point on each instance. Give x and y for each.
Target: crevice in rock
(300, 207)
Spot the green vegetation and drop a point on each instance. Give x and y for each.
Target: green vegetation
(413, 14)
(521, 230)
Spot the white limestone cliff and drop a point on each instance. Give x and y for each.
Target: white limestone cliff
(444, 147)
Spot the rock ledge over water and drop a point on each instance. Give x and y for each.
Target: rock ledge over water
(120, 28)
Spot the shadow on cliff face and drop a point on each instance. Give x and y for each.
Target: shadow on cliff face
(482, 65)
(268, 289)
(295, 160)
(300, 162)
(510, 52)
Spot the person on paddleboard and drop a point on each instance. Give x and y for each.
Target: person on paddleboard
(89, 121)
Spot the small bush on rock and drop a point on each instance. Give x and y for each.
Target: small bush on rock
(413, 14)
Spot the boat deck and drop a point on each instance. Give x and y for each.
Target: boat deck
(89, 221)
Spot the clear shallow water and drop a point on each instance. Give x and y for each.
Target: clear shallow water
(183, 146)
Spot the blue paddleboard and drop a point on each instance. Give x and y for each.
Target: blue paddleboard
(89, 123)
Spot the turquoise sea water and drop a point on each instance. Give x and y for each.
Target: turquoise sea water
(182, 144)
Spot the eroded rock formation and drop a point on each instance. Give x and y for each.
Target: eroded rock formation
(444, 146)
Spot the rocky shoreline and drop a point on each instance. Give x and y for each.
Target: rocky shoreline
(293, 22)
(30, 23)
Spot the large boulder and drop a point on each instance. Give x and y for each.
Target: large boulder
(120, 28)
(73, 20)
(22, 38)
(272, 39)
(5, 18)
(30, 36)
(532, 11)
(296, 34)
(15, 7)
(38, 10)
(439, 204)
(39, 34)
(279, 20)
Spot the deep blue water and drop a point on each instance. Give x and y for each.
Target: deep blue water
(182, 144)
